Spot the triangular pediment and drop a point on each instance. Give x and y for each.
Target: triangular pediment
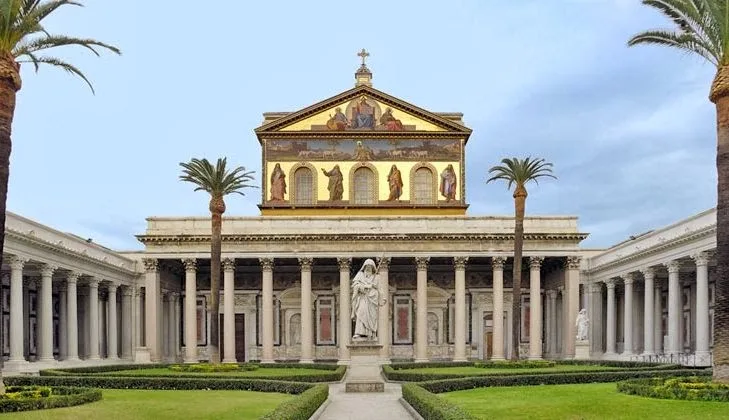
(363, 109)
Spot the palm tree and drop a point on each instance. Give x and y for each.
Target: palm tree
(702, 27)
(23, 39)
(518, 172)
(218, 181)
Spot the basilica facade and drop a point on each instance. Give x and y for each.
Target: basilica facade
(361, 175)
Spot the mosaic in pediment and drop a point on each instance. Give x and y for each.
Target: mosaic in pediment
(363, 150)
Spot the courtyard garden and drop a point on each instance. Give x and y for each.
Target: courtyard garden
(200, 391)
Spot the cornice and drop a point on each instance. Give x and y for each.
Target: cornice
(647, 252)
(152, 239)
(46, 245)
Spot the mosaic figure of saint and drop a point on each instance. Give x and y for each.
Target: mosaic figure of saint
(448, 183)
(278, 183)
(339, 121)
(394, 180)
(390, 122)
(335, 187)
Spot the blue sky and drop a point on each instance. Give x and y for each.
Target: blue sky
(630, 130)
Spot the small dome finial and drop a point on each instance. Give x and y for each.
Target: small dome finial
(363, 76)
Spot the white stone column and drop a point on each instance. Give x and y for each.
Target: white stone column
(611, 327)
(138, 316)
(649, 276)
(628, 280)
(572, 287)
(674, 308)
(93, 314)
(126, 323)
(421, 313)
(345, 316)
(111, 341)
(383, 322)
(152, 309)
(267, 308)
(229, 310)
(62, 321)
(16, 308)
(177, 324)
(552, 322)
(190, 310)
(535, 311)
(72, 318)
(658, 318)
(596, 319)
(307, 315)
(497, 266)
(460, 310)
(46, 314)
(703, 353)
(172, 330)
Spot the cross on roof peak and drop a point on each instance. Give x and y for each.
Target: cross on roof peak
(364, 54)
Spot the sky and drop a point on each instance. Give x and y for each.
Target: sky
(630, 131)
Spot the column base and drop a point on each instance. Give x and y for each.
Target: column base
(47, 360)
(267, 361)
(496, 358)
(230, 361)
(610, 355)
(306, 361)
(344, 362)
(702, 358)
(535, 357)
(71, 359)
(460, 359)
(15, 366)
(648, 354)
(422, 360)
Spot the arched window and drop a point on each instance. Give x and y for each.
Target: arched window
(364, 187)
(423, 186)
(304, 186)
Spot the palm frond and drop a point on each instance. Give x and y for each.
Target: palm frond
(59, 63)
(54, 41)
(519, 172)
(216, 179)
(701, 27)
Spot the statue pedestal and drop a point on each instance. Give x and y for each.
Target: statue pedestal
(363, 374)
(582, 350)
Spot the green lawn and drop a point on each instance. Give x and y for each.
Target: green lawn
(471, 370)
(260, 372)
(142, 404)
(581, 401)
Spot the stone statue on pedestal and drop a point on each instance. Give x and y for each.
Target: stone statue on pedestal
(365, 301)
(583, 325)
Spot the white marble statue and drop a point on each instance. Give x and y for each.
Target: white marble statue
(582, 324)
(365, 299)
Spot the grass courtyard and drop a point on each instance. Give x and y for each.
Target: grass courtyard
(144, 404)
(579, 401)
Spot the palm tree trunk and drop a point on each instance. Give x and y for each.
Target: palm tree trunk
(721, 307)
(215, 251)
(520, 195)
(9, 85)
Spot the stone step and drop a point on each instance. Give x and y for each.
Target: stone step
(364, 386)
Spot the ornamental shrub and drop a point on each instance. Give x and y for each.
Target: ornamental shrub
(302, 407)
(431, 406)
(696, 388)
(24, 398)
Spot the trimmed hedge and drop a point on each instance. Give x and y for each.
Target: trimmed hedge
(447, 385)
(693, 388)
(431, 406)
(335, 374)
(520, 364)
(302, 406)
(59, 397)
(400, 372)
(111, 382)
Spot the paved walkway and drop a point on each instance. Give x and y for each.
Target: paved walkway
(365, 406)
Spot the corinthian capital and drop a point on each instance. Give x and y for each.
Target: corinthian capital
(422, 262)
(151, 265)
(535, 263)
(498, 263)
(460, 262)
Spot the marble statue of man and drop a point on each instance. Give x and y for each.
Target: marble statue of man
(582, 325)
(365, 298)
